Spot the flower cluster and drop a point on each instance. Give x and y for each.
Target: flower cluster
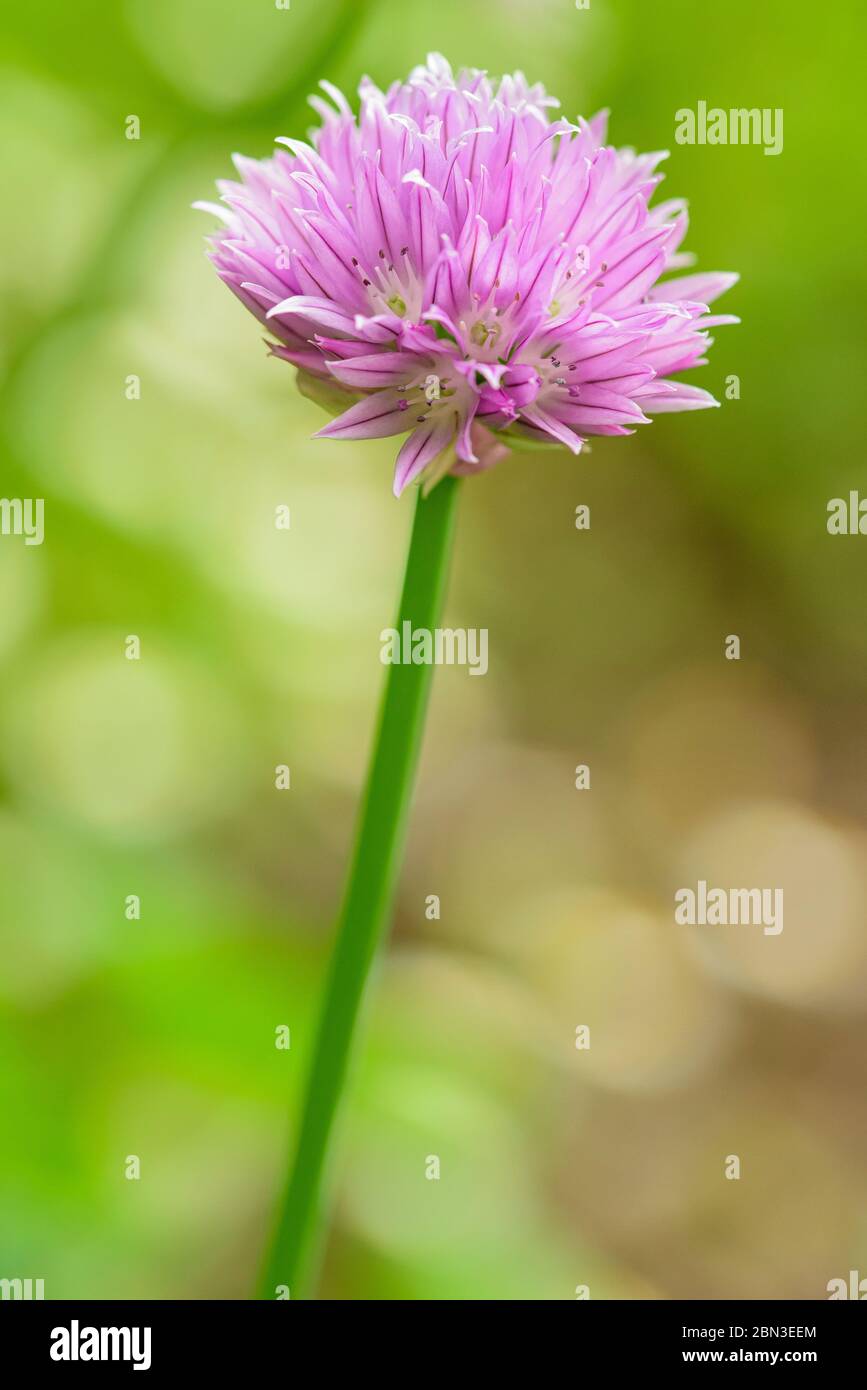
(455, 265)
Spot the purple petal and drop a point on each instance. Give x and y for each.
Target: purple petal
(421, 448)
(375, 417)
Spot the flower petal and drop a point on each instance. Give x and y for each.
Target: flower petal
(375, 417)
(682, 398)
(421, 448)
(377, 369)
(541, 419)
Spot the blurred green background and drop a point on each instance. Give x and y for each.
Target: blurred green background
(156, 1037)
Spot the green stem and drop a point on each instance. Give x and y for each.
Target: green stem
(369, 895)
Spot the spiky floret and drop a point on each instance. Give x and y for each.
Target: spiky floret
(454, 265)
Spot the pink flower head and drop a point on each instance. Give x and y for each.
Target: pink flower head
(453, 266)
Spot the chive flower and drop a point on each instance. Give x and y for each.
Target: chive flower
(455, 266)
